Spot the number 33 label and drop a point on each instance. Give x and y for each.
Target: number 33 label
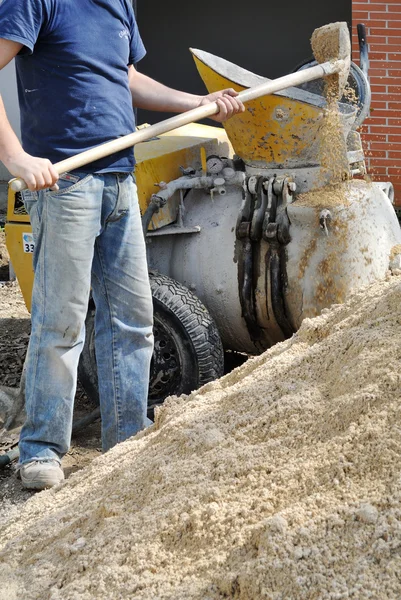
(28, 243)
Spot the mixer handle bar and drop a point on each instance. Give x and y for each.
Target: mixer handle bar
(363, 49)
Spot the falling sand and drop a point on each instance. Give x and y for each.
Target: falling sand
(332, 43)
(282, 480)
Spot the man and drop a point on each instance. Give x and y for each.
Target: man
(77, 85)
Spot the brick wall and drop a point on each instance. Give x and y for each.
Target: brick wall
(381, 132)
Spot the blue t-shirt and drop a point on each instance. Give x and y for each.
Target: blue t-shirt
(73, 75)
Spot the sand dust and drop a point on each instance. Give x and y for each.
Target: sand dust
(350, 95)
(330, 43)
(280, 481)
(395, 250)
(329, 196)
(333, 148)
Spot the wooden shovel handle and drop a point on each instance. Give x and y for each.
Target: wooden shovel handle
(191, 116)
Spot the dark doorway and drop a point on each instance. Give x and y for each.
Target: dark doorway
(268, 38)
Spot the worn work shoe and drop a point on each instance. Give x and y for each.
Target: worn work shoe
(41, 474)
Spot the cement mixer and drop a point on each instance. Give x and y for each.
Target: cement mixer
(249, 230)
(254, 236)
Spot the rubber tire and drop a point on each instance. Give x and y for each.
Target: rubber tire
(191, 330)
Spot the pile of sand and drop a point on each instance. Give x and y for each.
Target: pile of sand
(280, 481)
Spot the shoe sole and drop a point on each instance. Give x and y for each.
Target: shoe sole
(39, 485)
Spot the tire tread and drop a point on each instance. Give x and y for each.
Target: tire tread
(196, 319)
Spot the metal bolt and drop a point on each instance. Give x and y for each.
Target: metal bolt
(219, 181)
(324, 218)
(252, 182)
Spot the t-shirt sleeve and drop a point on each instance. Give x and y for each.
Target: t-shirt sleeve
(137, 48)
(22, 20)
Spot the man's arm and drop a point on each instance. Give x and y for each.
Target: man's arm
(37, 172)
(152, 95)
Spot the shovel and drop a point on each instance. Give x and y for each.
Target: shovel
(332, 48)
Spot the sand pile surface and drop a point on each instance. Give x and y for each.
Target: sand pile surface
(280, 481)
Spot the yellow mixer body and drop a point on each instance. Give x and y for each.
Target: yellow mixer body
(280, 129)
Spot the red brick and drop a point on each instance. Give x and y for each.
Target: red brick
(368, 6)
(379, 146)
(385, 80)
(382, 13)
(378, 73)
(377, 114)
(376, 24)
(381, 56)
(394, 122)
(395, 105)
(381, 89)
(396, 155)
(384, 64)
(395, 139)
(383, 47)
(396, 180)
(394, 8)
(393, 44)
(382, 32)
(377, 154)
(389, 2)
(384, 162)
(372, 120)
(379, 129)
(375, 105)
(377, 175)
(371, 137)
(394, 56)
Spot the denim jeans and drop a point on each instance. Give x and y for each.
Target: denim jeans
(87, 235)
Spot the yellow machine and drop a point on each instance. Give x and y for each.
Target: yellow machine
(245, 235)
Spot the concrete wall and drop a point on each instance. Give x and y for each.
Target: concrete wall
(8, 90)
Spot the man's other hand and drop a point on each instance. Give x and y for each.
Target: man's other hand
(227, 102)
(38, 173)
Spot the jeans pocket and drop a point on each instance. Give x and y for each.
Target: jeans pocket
(69, 182)
(30, 200)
